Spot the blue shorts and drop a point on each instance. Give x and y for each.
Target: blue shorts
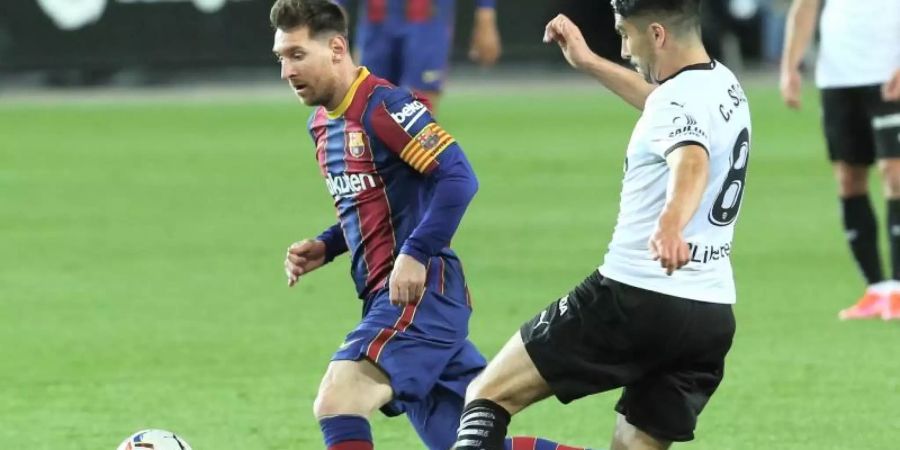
(411, 55)
(424, 350)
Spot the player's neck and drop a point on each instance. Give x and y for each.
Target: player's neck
(347, 76)
(679, 58)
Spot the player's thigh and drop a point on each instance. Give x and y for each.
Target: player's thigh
(352, 387)
(426, 56)
(510, 379)
(847, 127)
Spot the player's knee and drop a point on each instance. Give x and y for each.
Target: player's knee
(852, 180)
(628, 437)
(336, 399)
(890, 175)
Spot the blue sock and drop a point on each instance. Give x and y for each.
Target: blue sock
(337, 429)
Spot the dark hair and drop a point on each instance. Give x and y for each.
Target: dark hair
(681, 13)
(319, 15)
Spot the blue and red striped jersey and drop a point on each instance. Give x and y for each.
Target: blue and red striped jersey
(405, 11)
(400, 183)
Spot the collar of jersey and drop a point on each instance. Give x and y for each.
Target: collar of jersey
(345, 103)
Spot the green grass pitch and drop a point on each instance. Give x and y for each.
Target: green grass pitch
(141, 281)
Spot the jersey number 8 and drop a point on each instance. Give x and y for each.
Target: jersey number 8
(728, 202)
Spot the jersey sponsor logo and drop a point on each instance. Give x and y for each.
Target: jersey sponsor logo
(348, 185)
(704, 254)
(408, 115)
(356, 144)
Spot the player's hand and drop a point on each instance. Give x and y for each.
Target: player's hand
(790, 84)
(570, 40)
(890, 92)
(485, 48)
(302, 258)
(407, 283)
(669, 248)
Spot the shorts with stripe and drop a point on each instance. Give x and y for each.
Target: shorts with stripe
(423, 349)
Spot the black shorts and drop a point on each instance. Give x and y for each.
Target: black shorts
(860, 126)
(668, 352)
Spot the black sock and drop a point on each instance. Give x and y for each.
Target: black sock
(482, 426)
(894, 233)
(862, 234)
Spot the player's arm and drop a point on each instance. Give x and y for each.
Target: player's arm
(624, 82)
(307, 255)
(422, 144)
(799, 30)
(486, 47)
(688, 173)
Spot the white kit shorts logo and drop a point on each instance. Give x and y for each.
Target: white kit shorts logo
(75, 14)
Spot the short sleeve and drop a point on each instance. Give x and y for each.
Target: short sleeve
(672, 124)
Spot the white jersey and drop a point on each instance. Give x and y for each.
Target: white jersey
(860, 42)
(702, 105)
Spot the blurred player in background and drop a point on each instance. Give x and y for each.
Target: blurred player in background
(858, 74)
(401, 185)
(408, 42)
(656, 318)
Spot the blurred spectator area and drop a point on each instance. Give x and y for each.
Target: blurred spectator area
(87, 41)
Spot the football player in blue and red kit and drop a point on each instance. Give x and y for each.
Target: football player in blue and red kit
(408, 42)
(401, 185)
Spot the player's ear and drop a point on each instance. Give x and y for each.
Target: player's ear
(340, 48)
(657, 34)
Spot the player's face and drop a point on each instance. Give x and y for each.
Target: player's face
(308, 64)
(637, 47)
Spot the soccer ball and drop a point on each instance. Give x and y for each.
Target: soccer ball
(154, 440)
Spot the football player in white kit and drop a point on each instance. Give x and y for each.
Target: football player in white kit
(656, 317)
(858, 74)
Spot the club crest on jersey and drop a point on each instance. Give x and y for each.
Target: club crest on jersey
(356, 144)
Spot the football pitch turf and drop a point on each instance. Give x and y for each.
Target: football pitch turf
(141, 280)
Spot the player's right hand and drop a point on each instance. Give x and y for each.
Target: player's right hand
(669, 248)
(891, 90)
(302, 258)
(790, 84)
(570, 40)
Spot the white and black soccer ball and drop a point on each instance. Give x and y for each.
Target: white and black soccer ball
(154, 440)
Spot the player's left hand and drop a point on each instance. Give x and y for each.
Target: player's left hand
(890, 92)
(486, 47)
(407, 282)
(670, 249)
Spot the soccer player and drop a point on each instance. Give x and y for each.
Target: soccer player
(656, 318)
(858, 74)
(408, 42)
(400, 185)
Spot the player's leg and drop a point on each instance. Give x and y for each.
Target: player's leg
(348, 395)
(536, 443)
(573, 348)
(628, 437)
(426, 56)
(852, 154)
(885, 120)
(510, 383)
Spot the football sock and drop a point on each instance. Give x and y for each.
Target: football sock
(893, 213)
(531, 443)
(346, 432)
(862, 234)
(482, 426)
